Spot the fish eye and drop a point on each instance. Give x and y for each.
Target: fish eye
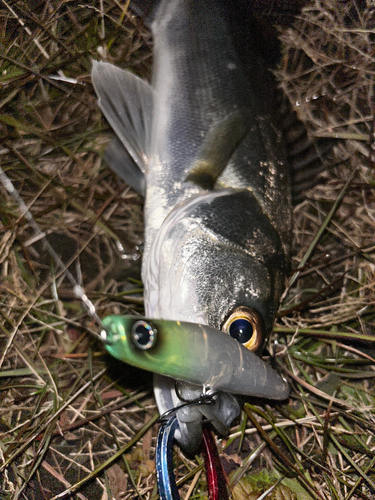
(245, 325)
(143, 335)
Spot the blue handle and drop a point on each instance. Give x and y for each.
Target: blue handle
(216, 482)
(164, 463)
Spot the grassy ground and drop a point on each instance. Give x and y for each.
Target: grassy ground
(74, 420)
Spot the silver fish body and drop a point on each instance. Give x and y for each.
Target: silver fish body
(231, 242)
(203, 148)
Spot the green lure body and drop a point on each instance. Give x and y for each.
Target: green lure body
(193, 353)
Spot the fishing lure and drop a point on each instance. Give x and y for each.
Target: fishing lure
(192, 353)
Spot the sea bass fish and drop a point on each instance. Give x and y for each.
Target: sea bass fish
(201, 145)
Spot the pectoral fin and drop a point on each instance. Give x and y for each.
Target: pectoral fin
(127, 103)
(218, 147)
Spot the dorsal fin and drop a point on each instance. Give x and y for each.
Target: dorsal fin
(218, 147)
(127, 102)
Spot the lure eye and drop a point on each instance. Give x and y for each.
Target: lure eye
(245, 325)
(143, 335)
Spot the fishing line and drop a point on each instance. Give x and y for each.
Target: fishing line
(203, 400)
(78, 289)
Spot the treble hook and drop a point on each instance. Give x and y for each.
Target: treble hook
(217, 486)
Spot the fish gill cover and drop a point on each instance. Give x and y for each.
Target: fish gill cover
(74, 421)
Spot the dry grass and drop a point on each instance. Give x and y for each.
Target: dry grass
(69, 413)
